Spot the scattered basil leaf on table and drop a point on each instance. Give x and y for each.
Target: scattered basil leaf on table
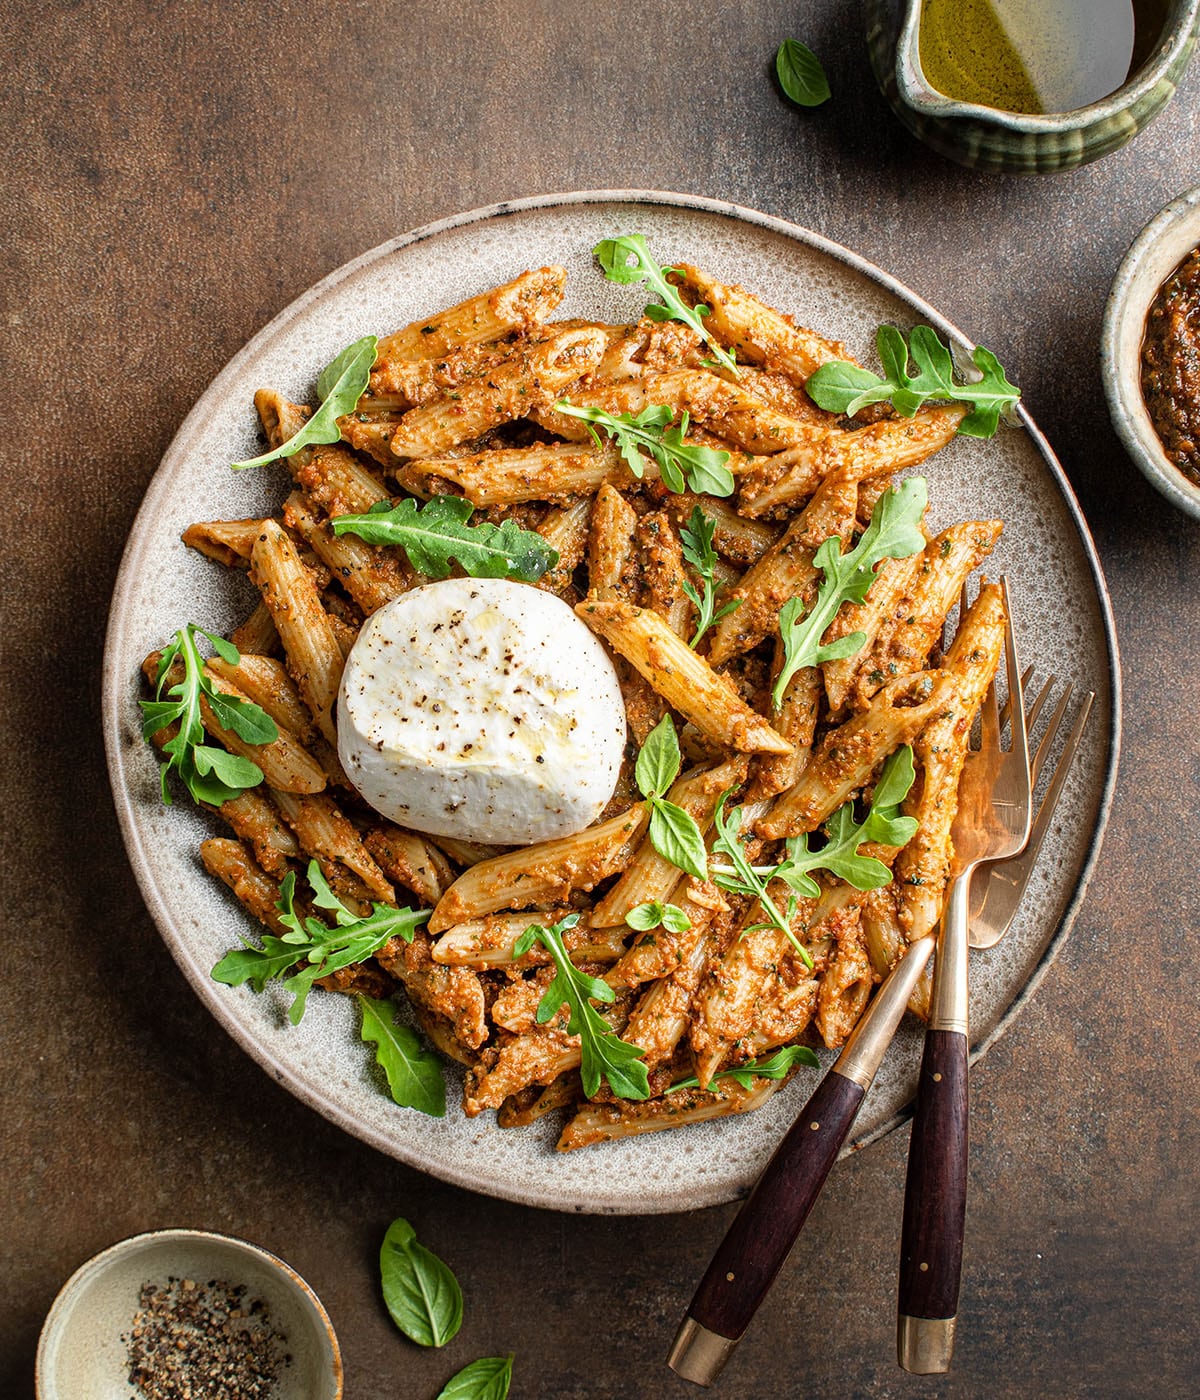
(800, 74)
(674, 833)
(627, 260)
(697, 540)
(894, 533)
(683, 466)
(340, 385)
(655, 914)
(311, 945)
(434, 534)
(486, 1379)
(414, 1072)
(420, 1291)
(776, 1066)
(603, 1054)
(210, 773)
(841, 387)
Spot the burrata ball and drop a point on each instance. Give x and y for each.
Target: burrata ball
(481, 709)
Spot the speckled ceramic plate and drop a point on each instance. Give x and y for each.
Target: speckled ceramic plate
(1064, 622)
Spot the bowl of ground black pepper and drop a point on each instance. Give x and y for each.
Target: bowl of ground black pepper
(187, 1315)
(1150, 352)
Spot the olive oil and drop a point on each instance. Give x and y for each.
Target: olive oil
(1035, 55)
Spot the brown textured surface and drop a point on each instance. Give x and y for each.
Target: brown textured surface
(176, 174)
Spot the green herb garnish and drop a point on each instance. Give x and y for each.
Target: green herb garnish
(211, 773)
(614, 256)
(655, 914)
(673, 832)
(774, 1066)
(800, 74)
(684, 466)
(340, 385)
(839, 855)
(414, 1071)
(841, 387)
(740, 877)
(437, 532)
(311, 944)
(603, 1054)
(697, 540)
(420, 1291)
(894, 533)
(486, 1379)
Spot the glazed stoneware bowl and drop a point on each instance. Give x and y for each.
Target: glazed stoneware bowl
(1152, 257)
(83, 1352)
(1045, 549)
(989, 139)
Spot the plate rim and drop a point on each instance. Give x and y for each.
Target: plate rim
(113, 679)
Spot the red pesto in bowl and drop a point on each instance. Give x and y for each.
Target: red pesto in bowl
(1171, 366)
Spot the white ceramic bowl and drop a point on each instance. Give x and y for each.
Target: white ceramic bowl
(1152, 257)
(82, 1354)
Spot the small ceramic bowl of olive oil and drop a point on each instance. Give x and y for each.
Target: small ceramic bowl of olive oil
(1029, 85)
(1150, 352)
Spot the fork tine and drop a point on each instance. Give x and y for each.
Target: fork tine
(1059, 776)
(1026, 677)
(1017, 725)
(1043, 748)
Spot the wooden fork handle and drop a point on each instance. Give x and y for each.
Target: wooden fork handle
(935, 1202)
(764, 1230)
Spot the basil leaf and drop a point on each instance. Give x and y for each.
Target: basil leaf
(800, 74)
(655, 914)
(486, 1379)
(658, 761)
(414, 1073)
(421, 1293)
(340, 385)
(435, 534)
(676, 837)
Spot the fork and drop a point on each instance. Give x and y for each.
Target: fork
(995, 903)
(993, 823)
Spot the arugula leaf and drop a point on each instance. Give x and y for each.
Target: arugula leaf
(841, 387)
(340, 385)
(614, 254)
(697, 540)
(603, 1054)
(673, 832)
(435, 533)
(414, 1072)
(740, 877)
(420, 1291)
(800, 74)
(883, 824)
(684, 466)
(655, 914)
(775, 1066)
(211, 773)
(486, 1379)
(311, 945)
(894, 533)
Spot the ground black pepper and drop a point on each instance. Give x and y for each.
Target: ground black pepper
(191, 1341)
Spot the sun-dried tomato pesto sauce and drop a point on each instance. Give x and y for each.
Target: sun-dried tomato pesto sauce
(1171, 366)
